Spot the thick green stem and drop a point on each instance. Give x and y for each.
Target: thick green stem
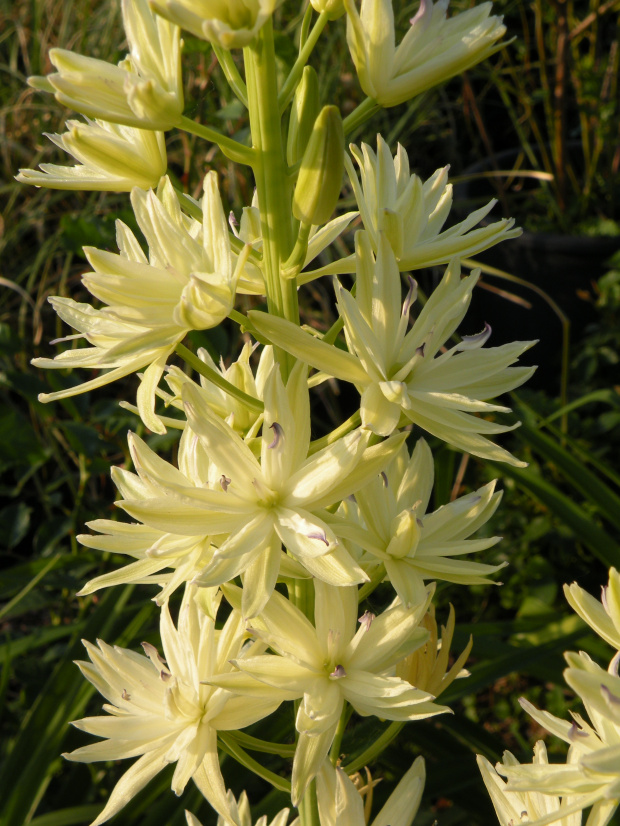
(272, 184)
(233, 150)
(217, 379)
(308, 808)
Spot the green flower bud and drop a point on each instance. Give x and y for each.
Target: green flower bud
(333, 8)
(304, 111)
(320, 177)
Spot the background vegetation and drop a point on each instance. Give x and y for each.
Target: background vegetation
(560, 518)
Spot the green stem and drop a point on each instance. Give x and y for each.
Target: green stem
(375, 580)
(254, 744)
(308, 807)
(290, 84)
(380, 744)
(233, 150)
(360, 115)
(293, 264)
(334, 754)
(245, 324)
(218, 380)
(346, 427)
(232, 748)
(272, 184)
(229, 67)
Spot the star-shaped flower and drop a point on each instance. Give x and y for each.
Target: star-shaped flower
(330, 663)
(162, 710)
(400, 372)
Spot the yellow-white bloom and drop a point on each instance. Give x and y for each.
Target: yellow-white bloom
(399, 372)
(240, 811)
(604, 616)
(256, 506)
(187, 283)
(434, 49)
(144, 90)
(162, 711)
(112, 157)
(592, 772)
(340, 803)
(230, 23)
(427, 667)
(330, 663)
(527, 807)
(412, 213)
(389, 521)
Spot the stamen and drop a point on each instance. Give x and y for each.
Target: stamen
(224, 482)
(421, 13)
(473, 342)
(125, 695)
(338, 672)
(419, 351)
(604, 598)
(232, 220)
(320, 536)
(411, 296)
(383, 475)
(366, 620)
(278, 434)
(165, 675)
(152, 653)
(611, 698)
(575, 732)
(66, 338)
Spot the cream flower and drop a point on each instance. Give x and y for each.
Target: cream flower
(340, 803)
(412, 213)
(112, 157)
(330, 663)
(389, 521)
(603, 617)
(427, 667)
(433, 50)
(243, 817)
(162, 710)
(144, 90)
(404, 373)
(188, 283)
(229, 23)
(592, 772)
(522, 808)
(256, 506)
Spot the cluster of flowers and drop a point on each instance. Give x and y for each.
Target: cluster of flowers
(253, 497)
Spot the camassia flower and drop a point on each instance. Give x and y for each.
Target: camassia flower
(229, 23)
(400, 372)
(434, 49)
(162, 710)
(591, 775)
(411, 213)
(528, 807)
(242, 816)
(256, 506)
(604, 616)
(187, 283)
(389, 521)
(340, 803)
(112, 157)
(330, 663)
(144, 90)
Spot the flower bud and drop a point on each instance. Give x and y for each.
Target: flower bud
(320, 177)
(333, 8)
(304, 112)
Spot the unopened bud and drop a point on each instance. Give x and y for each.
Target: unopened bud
(320, 177)
(333, 8)
(304, 112)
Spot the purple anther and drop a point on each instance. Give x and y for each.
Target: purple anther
(422, 12)
(278, 434)
(125, 695)
(338, 672)
(224, 482)
(151, 652)
(609, 696)
(472, 342)
(366, 620)
(419, 522)
(419, 351)
(383, 475)
(165, 675)
(575, 732)
(613, 665)
(232, 220)
(411, 296)
(604, 598)
(320, 536)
